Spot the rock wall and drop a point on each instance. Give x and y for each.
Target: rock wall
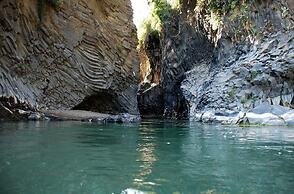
(81, 55)
(181, 46)
(150, 94)
(248, 69)
(226, 61)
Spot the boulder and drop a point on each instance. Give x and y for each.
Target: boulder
(264, 119)
(289, 117)
(273, 109)
(36, 116)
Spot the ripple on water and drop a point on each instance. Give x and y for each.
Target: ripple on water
(153, 157)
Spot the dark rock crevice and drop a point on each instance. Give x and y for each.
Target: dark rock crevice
(150, 101)
(12, 109)
(102, 102)
(184, 47)
(181, 48)
(154, 53)
(150, 94)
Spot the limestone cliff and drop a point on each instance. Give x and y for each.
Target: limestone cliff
(81, 55)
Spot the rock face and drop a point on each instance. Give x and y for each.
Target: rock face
(249, 72)
(183, 48)
(178, 50)
(81, 55)
(214, 70)
(150, 94)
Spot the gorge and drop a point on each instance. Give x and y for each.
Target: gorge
(195, 96)
(207, 61)
(221, 60)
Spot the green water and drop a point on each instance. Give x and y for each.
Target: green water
(151, 157)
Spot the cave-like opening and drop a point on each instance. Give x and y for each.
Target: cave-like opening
(102, 102)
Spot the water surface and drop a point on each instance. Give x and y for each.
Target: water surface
(151, 157)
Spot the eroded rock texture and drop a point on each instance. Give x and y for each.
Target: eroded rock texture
(170, 55)
(150, 94)
(82, 55)
(210, 69)
(248, 69)
(184, 47)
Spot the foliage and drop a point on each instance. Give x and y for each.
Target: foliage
(149, 25)
(223, 6)
(251, 99)
(240, 16)
(253, 75)
(232, 93)
(160, 9)
(219, 7)
(41, 5)
(213, 13)
(243, 100)
(160, 12)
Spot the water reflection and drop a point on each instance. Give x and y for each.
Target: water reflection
(153, 157)
(145, 148)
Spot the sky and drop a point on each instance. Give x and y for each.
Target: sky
(141, 10)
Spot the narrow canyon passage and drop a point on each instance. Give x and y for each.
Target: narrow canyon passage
(147, 96)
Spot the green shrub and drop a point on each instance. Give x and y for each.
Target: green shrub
(215, 12)
(232, 93)
(251, 99)
(160, 9)
(253, 75)
(223, 6)
(160, 12)
(149, 25)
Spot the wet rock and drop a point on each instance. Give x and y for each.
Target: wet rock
(242, 74)
(289, 117)
(273, 109)
(208, 116)
(264, 114)
(253, 82)
(88, 116)
(150, 100)
(264, 119)
(36, 116)
(5, 112)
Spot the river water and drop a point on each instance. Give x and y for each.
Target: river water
(152, 157)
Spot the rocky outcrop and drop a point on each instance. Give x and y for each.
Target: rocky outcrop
(150, 94)
(249, 72)
(262, 75)
(183, 48)
(220, 59)
(86, 116)
(81, 55)
(180, 47)
(263, 114)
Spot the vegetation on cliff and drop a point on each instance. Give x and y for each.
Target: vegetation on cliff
(160, 11)
(213, 14)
